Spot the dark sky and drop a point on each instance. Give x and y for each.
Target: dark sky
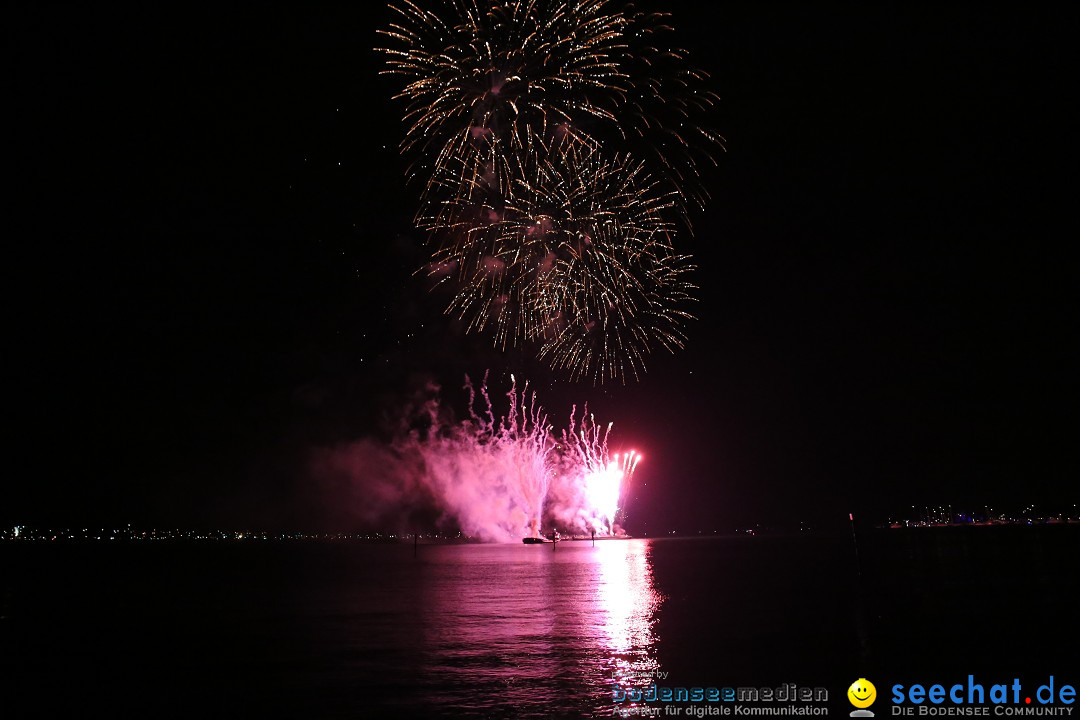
(208, 268)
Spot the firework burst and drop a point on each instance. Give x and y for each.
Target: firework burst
(574, 254)
(484, 80)
(546, 226)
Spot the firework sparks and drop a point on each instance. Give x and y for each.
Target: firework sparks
(575, 256)
(588, 464)
(559, 144)
(486, 79)
(495, 477)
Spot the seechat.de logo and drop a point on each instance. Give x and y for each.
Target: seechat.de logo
(862, 694)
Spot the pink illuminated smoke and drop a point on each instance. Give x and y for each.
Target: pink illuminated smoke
(497, 478)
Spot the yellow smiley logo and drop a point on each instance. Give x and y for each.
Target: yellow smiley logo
(862, 693)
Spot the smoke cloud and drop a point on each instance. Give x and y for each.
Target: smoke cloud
(495, 478)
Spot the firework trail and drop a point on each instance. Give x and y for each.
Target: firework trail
(590, 478)
(559, 144)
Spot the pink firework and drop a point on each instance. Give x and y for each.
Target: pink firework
(588, 465)
(495, 477)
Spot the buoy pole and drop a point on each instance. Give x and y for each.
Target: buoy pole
(855, 542)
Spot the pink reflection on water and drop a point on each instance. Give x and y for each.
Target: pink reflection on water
(529, 626)
(628, 603)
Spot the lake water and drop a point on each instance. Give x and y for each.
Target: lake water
(346, 630)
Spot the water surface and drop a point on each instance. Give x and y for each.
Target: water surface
(343, 630)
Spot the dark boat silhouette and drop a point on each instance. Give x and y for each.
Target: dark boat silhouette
(538, 540)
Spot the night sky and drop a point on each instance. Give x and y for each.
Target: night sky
(209, 269)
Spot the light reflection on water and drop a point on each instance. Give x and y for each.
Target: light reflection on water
(627, 604)
(313, 630)
(534, 628)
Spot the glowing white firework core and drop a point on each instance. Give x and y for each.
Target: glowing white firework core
(603, 486)
(602, 490)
